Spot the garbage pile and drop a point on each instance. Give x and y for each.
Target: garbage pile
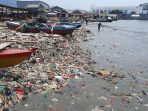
(56, 61)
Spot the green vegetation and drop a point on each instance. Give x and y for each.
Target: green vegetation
(116, 12)
(133, 12)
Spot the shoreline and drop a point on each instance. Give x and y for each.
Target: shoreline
(57, 60)
(91, 88)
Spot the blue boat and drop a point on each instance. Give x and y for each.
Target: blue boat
(56, 29)
(68, 22)
(25, 28)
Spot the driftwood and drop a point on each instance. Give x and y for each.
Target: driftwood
(16, 41)
(3, 25)
(4, 45)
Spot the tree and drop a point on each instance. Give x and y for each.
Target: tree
(133, 12)
(116, 12)
(101, 11)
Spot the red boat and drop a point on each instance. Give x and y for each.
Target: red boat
(17, 26)
(11, 57)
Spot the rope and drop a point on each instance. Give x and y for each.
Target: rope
(121, 28)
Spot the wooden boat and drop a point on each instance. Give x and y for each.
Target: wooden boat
(11, 57)
(76, 24)
(25, 28)
(57, 29)
(104, 19)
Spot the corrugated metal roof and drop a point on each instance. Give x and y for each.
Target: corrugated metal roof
(24, 3)
(77, 12)
(32, 6)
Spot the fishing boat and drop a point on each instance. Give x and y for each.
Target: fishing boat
(76, 24)
(22, 27)
(11, 57)
(69, 22)
(36, 28)
(57, 29)
(104, 19)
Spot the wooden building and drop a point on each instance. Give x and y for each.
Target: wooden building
(13, 13)
(77, 14)
(62, 13)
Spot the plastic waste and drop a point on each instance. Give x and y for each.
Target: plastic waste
(2, 88)
(20, 91)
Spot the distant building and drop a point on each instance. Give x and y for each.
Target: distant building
(77, 14)
(12, 13)
(35, 7)
(142, 9)
(59, 11)
(32, 4)
(108, 10)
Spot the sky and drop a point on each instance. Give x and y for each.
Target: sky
(86, 4)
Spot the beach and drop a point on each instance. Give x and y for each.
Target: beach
(109, 69)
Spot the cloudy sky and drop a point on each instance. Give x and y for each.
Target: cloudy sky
(85, 4)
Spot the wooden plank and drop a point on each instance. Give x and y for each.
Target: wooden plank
(4, 45)
(2, 37)
(16, 41)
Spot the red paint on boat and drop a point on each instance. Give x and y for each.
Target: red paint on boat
(11, 57)
(13, 52)
(61, 32)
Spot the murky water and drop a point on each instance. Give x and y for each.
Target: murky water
(123, 48)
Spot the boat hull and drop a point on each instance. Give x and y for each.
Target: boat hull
(11, 57)
(7, 62)
(77, 25)
(27, 29)
(58, 29)
(104, 19)
(60, 32)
